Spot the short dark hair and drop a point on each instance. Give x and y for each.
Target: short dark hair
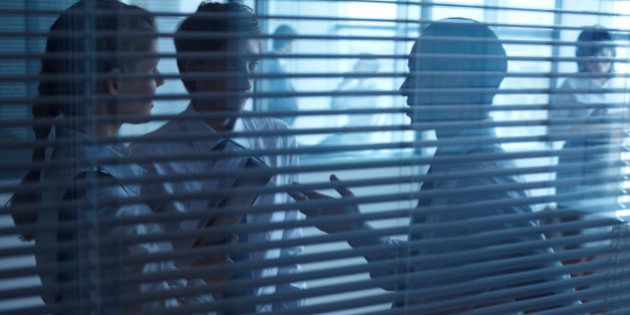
(282, 31)
(597, 38)
(213, 17)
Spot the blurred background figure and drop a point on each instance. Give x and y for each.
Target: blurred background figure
(366, 64)
(595, 78)
(282, 46)
(590, 156)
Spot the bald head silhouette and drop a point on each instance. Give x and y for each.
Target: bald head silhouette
(455, 61)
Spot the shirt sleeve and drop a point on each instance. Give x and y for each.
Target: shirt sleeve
(104, 252)
(294, 233)
(392, 250)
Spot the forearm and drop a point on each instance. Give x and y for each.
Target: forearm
(386, 250)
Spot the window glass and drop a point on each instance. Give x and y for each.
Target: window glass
(623, 68)
(517, 46)
(451, 8)
(369, 41)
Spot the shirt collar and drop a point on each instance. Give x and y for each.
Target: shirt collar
(201, 127)
(90, 150)
(238, 127)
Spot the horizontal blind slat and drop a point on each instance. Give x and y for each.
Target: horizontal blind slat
(13, 165)
(354, 286)
(262, 75)
(161, 218)
(327, 273)
(247, 247)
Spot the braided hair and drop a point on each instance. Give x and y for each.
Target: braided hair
(63, 72)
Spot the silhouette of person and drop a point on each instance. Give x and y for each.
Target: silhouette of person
(281, 46)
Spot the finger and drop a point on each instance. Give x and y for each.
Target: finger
(311, 212)
(298, 196)
(311, 194)
(342, 190)
(212, 240)
(228, 220)
(308, 211)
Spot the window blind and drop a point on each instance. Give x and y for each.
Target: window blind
(479, 151)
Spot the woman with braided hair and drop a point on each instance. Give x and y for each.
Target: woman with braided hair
(83, 101)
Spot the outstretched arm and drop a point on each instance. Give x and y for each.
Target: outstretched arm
(391, 247)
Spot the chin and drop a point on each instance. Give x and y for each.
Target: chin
(234, 106)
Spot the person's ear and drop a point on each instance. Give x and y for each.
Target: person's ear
(112, 86)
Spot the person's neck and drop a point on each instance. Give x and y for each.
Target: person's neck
(217, 123)
(452, 132)
(100, 130)
(602, 80)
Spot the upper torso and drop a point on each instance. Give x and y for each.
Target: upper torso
(85, 165)
(204, 144)
(472, 183)
(589, 93)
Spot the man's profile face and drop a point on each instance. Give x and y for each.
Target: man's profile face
(601, 66)
(239, 64)
(424, 85)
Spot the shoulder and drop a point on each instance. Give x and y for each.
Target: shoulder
(488, 171)
(270, 64)
(110, 200)
(174, 125)
(145, 144)
(282, 140)
(100, 192)
(578, 83)
(264, 123)
(618, 82)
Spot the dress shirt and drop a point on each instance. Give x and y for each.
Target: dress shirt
(81, 258)
(448, 178)
(585, 94)
(596, 162)
(175, 167)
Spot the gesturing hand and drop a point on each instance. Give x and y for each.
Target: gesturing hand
(318, 212)
(217, 258)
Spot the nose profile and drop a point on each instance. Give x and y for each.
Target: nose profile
(240, 82)
(245, 83)
(404, 88)
(159, 80)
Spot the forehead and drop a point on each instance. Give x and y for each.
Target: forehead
(411, 60)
